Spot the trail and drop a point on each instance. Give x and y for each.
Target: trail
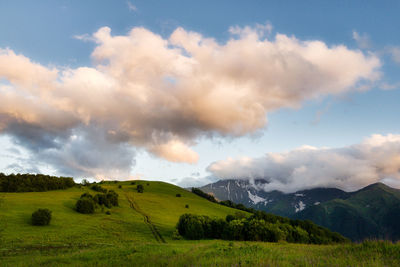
(146, 219)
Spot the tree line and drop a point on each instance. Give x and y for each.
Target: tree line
(33, 182)
(260, 226)
(257, 227)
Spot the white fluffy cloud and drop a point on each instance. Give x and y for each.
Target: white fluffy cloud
(162, 94)
(376, 159)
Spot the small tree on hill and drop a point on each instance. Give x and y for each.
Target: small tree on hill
(85, 205)
(41, 217)
(140, 188)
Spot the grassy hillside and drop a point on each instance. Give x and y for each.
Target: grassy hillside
(131, 234)
(158, 201)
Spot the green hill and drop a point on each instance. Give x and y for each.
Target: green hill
(125, 223)
(138, 232)
(372, 212)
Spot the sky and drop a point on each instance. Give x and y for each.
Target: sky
(300, 93)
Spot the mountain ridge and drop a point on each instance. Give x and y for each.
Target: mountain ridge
(370, 212)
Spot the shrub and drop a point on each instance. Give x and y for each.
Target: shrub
(86, 195)
(204, 195)
(178, 195)
(120, 186)
(112, 198)
(176, 235)
(85, 205)
(133, 183)
(147, 184)
(98, 188)
(41, 217)
(187, 206)
(191, 226)
(101, 199)
(140, 188)
(108, 212)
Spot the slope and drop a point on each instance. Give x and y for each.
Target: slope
(372, 212)
(253, 194)
(69, 228)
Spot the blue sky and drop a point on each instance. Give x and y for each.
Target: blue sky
(44, 31)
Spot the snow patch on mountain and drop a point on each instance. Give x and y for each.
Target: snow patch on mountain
(256, 199)
(300, 206)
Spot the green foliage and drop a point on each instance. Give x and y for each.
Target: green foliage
(178, 195)
(112, 197)
(98, 188)
(101, 199)
(187, 206)
(33, 183)
(204, 195)
(41, 217)
(85, 205)
(236, 227)
(86, 195)
(139, 188)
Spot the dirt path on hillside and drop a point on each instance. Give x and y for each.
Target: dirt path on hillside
(146, 219)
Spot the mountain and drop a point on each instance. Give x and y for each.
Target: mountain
(253, 195)
(371, 212)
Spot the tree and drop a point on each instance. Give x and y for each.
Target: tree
(85, 205)
(140, 188)
(41, 217)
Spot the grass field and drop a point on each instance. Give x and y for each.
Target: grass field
(126, 237)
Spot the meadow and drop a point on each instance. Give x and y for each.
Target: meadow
(130, 235)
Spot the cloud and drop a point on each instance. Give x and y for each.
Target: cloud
(161, 95)
(363, 40)
(191, 181)
(131, 7)
(376, 159)
(389, 86)
(84, 37)
(395, 53)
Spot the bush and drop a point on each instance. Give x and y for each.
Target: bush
(204, 195)
(133, 183)
(41, 217)
(176, 235)
(187, 206)
(178, 195)
(101, 199)
(120, 186)
(139, 188)
(98, 188)
(112, 197)
(86, 195)
(108, 212)
(85, 205)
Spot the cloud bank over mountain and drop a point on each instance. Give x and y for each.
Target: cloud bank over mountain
(159, 94)
(376, 159)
